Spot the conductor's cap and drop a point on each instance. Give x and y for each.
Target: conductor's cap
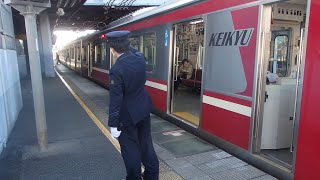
(117, 35)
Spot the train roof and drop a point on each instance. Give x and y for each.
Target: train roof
(140, 15)
(137, 16)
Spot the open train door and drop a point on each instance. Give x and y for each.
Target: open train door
(279, 89)
(187, 71)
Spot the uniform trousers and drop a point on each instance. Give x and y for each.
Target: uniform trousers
(136, 148)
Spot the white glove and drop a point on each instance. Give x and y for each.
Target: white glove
(114, 132)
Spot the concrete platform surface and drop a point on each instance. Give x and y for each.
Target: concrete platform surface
(78, 149)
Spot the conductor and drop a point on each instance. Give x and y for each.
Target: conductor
(130, 107)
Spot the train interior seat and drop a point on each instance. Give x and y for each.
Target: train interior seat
(195, 80)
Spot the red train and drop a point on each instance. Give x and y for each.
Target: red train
(254, 87)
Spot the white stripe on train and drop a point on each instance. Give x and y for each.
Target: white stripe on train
(230, 106)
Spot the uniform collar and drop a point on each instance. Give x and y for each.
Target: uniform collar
(123, 55)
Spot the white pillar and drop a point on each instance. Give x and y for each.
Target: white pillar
(36, 78)
(45, 32)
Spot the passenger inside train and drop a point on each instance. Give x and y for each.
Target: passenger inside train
(185, 73)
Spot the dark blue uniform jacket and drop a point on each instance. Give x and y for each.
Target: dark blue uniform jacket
(129, 101)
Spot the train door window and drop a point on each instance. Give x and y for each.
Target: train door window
(69, 57)
(84, 54)
(72, 53)
(149, 51)
(279, 90)
(187, 70)
(78, 56)
(91, 55)
(100, 57)
(78, 53)
(64, 56)
(112, 59)
(75, 56)
(279, 63)
(68, 53)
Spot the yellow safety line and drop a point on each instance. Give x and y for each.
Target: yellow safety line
(104, 130)
(187, 116)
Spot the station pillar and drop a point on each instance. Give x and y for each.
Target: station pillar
(30, 10)
(36, 78)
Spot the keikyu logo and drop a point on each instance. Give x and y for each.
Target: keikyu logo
(231, 38)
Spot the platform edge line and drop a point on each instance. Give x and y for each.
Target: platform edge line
(93, 117)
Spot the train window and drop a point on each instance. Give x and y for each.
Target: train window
(78, 53)
(72, 53)
(75, 53)
(149, 51)
(280, 56)
(100, 58)
(135, 43)
(112, 59)
(68, 53)
(147, 45)
(84, 54)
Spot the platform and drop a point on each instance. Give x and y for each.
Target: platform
(80, 146)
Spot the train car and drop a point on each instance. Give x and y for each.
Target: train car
(254, 86)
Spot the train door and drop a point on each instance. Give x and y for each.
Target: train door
(76, 51)
(187, 71)
(91, 58)
(279, 90)
(78, 58)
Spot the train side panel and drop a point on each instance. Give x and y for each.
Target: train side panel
(186, 12)
(229, 70)
(157, 64)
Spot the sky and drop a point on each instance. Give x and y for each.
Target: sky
(64, 37)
